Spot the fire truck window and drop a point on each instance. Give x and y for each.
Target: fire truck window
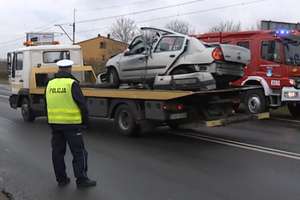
(19, 65)
(54, 56)
(244, 44)
(270, 50)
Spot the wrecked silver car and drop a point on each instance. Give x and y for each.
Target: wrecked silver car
(166, 59)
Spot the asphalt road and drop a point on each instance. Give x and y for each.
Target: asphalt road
(210, 164)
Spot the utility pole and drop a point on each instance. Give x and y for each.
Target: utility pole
(74, 30)
(73, 27)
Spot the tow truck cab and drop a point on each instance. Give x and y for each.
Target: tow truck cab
(21, 62)
(274, 65)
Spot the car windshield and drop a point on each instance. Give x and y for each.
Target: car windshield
(292, 51)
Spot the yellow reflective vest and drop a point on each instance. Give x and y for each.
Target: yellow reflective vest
(61, 107)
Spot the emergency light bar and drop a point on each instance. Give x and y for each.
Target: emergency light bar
(284, 32)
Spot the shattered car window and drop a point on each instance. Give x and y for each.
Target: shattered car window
(137, 46)
(169, 44)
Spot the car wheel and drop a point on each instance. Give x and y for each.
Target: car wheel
(113, 77)
(255, 102)
(294, 109)
(125, 121)
(26, 110)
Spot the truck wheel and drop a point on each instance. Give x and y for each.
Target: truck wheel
(113, 77)
(255, 102)
(173, 125)
(125, 121)
(26, 110)
(294, 109)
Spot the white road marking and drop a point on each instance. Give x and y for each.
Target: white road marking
(4, 96)
(286, 120)
(276, 152)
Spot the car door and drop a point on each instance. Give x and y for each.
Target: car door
(164, 54)
(132, 63)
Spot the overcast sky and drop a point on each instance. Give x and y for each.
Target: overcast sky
(20, 16)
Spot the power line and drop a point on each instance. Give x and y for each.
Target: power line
(115, 6)
(187, 13)
(206, 10)
(137, 12)
(39, 28)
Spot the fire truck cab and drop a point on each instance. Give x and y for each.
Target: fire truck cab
(274, 65)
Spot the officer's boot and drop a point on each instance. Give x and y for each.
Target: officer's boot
(85, 182)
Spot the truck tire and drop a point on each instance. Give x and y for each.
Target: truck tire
(113, 77)
(294, 109)
(125, 121)
(173, 125)
(26, 110)
(255, 102)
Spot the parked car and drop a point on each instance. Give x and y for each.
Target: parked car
(167, 53)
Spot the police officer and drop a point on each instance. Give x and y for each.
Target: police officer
(67, 115)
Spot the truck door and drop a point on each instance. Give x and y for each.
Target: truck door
(270, 61)
(17, 69)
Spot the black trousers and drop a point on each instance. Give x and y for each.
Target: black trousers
(72, 137)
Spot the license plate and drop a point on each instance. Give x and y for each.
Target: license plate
(178, 116)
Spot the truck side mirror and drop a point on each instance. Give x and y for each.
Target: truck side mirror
(8, 62)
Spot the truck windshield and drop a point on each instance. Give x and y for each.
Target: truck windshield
(292, 52)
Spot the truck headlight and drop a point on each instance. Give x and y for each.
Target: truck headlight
(292, 82)
(291, 94)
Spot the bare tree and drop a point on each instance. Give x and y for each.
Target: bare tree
(226, 26)
(255, 27)
(124, 29)
(179, 26)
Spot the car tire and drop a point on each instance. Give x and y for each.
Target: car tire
(255, 102)
(294, 109)
(125, 121)
(26, 110)
(113, 77)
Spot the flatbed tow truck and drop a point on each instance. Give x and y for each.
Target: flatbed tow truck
(133, 110)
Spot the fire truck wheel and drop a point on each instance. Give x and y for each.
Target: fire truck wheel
(113, 77)
(26, 110)
(294, 109)
(255, 102)
(125, 121)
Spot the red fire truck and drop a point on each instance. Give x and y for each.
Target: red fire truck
(274, 65)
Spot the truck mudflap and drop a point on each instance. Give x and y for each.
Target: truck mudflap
(226, 121)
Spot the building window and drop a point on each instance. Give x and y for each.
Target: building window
(102, 45)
